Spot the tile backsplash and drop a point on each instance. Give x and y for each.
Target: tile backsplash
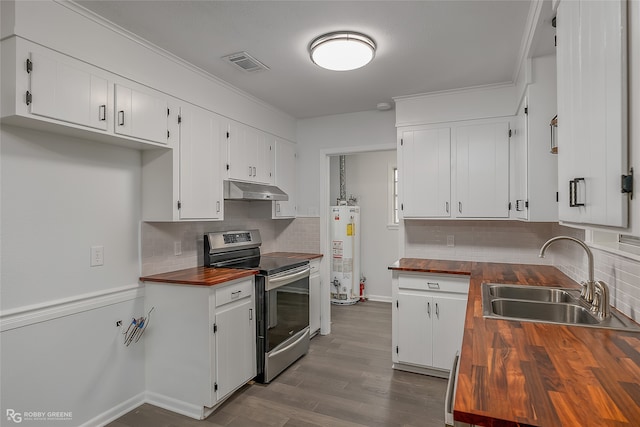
(622, 274)
(520, 242)
(158, 238)
(492, 241)
(512, 242)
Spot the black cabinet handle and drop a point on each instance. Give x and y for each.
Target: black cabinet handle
(573, 192)
(121, 118)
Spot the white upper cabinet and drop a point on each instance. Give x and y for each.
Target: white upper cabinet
(201, 136)
(67, 92)
(592, 111)
(460, 170)
(284, 167)
(519, 165)
(426, 173)
(534, 177)
(47, 90)
(141, 113)
(185, 183)
(249, 154)
(482, 170)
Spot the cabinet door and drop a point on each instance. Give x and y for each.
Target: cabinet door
(67, 92)
(414, 329)
(263, 172)
(426, 173)
(201, 133)
(235, 346)
(482, 170)
(314, 302)
(241, 157)
(448, 329)
(519, 165)
(285, 178)
(592, 111)
(141, 114)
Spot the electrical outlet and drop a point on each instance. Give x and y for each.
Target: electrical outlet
(177, 248)
(97, 256)
(450, 240)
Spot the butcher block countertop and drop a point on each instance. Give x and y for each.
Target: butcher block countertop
(293, 255)
(534, 374)
(201, 276)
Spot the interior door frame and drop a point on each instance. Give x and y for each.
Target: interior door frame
(325, 238)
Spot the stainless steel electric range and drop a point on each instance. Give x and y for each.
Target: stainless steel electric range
(282, 297)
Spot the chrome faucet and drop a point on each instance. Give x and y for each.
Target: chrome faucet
(588, 290)
(601, 300)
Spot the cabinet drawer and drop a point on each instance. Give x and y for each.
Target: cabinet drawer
(435, 282)
(234, 292)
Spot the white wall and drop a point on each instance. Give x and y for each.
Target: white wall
(74, 31)
(61, 350)
(367, 178)
(335, 132)
(457, 105)
(60, 196)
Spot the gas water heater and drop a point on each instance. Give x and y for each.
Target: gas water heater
(345, 254)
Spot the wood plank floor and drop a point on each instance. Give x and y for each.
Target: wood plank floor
(345, 380)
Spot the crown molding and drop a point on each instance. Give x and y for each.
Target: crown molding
(92, 16)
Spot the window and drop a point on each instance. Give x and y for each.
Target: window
(620, 244)
(393, 196)
(629, 240)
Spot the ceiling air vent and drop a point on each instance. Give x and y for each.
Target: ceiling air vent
(245, 61)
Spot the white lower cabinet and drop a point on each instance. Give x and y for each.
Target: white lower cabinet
(235, 348)
(428, 321)
(199, 345)
(315, 296)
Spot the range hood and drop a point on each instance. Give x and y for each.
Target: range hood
(236, 190)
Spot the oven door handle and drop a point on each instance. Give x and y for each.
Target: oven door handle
(276, 282)
(303, 335)
(450, 394)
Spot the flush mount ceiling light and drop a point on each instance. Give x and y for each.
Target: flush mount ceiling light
(342, 50)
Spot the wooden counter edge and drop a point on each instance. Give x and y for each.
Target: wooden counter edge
(191, 277)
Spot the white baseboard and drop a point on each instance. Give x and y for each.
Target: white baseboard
(379, 298)
(175, 405)
(116, 412)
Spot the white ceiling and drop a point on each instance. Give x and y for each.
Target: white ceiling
(423, 46)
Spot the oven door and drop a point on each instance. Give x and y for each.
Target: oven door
(451, 394)
(287, 305)
(285, 320)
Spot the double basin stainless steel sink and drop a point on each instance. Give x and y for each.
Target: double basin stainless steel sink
(547, 305)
